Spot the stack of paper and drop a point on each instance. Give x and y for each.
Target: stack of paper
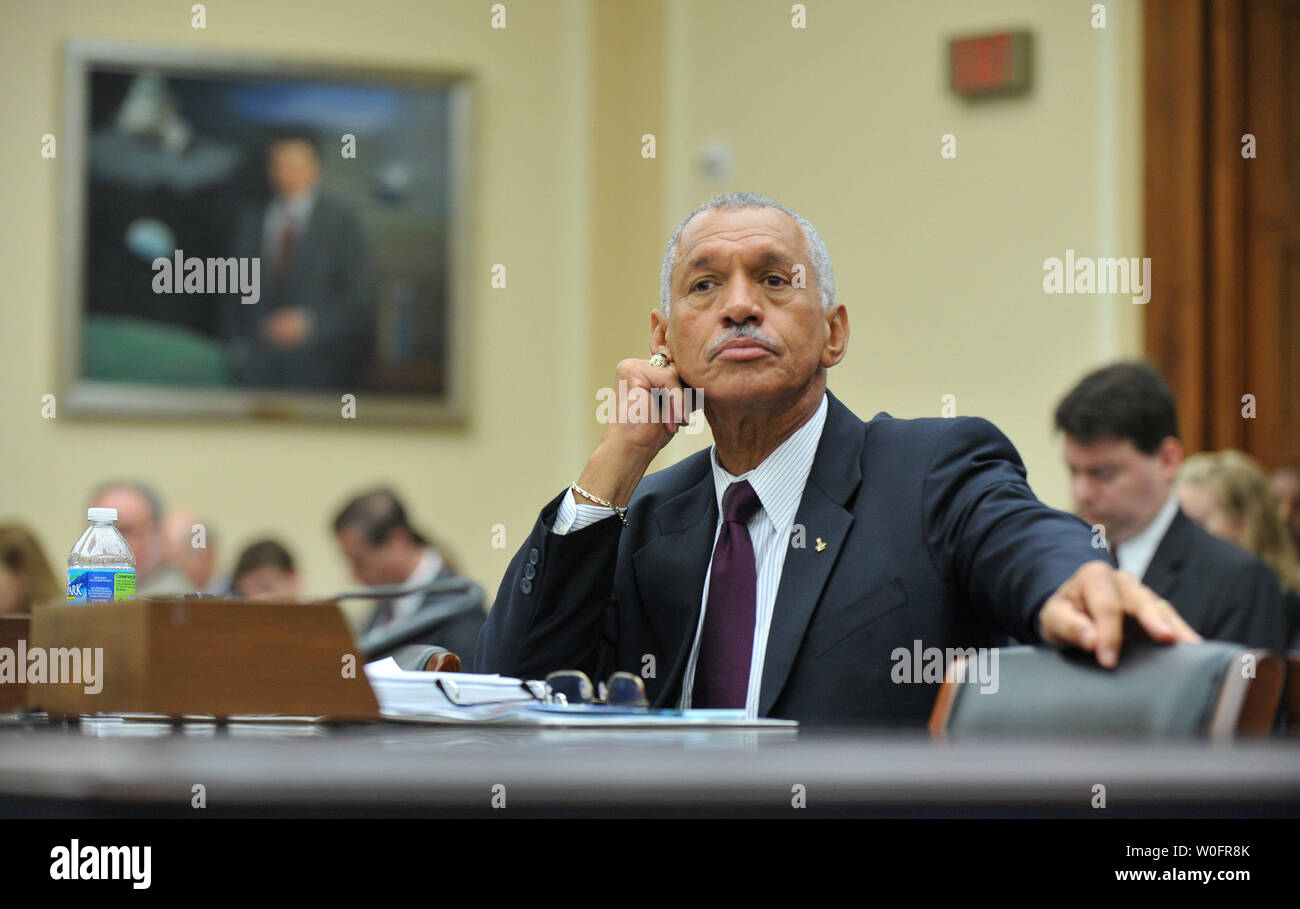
(458, 697)
(451, 695)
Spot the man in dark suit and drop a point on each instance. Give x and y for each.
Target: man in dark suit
(1121, 445)
(313, 326)
(384, 549)
(783, 570)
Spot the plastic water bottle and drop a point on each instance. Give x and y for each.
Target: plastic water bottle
(101, 567)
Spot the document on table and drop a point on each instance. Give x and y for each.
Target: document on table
(457, 697)
(452, 695)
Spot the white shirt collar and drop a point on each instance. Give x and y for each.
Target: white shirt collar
(425, 571)
(1135, 555)
(298, 207)
(779, 480)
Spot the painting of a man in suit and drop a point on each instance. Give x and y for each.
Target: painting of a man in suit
(314, 324)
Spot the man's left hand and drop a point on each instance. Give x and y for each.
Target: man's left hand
(1088, 612)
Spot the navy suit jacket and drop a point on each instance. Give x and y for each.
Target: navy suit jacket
(932, 534)
(1221, 590)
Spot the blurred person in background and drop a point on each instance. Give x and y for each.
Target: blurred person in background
(1285, 483)
(1123, 452)
(265, 571)
(1228, 494)
(26, 580)
(190, 546)
(383, 548)
(139, 520)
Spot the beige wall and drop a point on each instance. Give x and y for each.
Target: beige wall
(939, 261)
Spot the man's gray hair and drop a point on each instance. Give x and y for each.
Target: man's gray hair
(151, 498)
(818, 258)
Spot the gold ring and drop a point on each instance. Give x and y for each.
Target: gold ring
(659, 361)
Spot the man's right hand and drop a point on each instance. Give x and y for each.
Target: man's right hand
(650, 407)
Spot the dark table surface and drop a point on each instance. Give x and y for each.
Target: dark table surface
(109, 767)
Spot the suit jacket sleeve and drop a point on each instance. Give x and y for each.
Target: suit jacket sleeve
(996, 545)
(554, 607)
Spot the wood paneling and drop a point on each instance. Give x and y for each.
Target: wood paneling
(1175, 206)
(1223, 230)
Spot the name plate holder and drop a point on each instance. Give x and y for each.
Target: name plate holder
(217, 657)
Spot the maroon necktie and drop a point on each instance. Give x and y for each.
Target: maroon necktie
(722, 670)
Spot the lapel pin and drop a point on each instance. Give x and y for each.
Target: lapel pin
(821, 544)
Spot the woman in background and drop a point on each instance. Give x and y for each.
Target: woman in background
(265, 571)
(26, 580)
(1228, 494)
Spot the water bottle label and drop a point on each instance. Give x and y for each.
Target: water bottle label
(99, 586)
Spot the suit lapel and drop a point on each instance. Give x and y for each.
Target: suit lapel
(1167, 563)
(835, 477)
(670, 572)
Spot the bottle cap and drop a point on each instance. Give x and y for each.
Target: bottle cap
(101, 514)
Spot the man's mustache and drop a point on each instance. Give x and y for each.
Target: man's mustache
(742, 331)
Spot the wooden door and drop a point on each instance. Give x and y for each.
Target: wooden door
(1223, 219)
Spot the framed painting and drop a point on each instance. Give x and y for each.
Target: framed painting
(247, 237)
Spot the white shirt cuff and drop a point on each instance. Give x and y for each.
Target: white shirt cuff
(572, 516)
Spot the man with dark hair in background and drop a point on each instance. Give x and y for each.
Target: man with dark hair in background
(313, 326)
(384, 549)
(1123, 452)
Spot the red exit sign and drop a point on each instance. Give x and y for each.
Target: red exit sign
(995, 64)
